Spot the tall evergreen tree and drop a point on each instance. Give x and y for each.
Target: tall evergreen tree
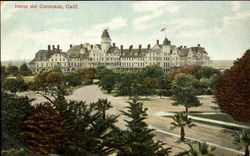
(14, 110)
(44, 129)
(138, 138)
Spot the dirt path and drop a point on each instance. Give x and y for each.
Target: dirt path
(214, 135)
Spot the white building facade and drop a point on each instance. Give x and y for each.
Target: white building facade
(107, 54)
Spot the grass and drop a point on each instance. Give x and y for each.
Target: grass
(218, 117)
(25, 78)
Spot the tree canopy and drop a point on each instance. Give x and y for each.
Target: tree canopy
(184, 91)
(233, 91)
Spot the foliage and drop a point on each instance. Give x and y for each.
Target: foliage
(17, 152)
(147, 86)
(56, 69)
(87, 74)
(232, 93)
(164, 85)
(126, 83)
(14, 85)
(206, 72)
(12, 70)
(188, 69)
(14, 110)
(44, 130)
(46, 80)
(4, 75)
(138, 138)
(24, 70)
(200, 149)
(242, 140)
(108, 79)
(181, 121)
(72, 79)
(184, 91)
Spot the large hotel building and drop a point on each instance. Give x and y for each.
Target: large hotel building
(107, 54)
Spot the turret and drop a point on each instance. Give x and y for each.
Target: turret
(105, 40)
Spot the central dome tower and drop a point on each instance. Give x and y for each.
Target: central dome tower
(105, 40)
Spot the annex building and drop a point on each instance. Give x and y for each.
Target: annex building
(107, 54)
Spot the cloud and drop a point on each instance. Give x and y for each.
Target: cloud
(235, 5)
(153, 9)
(115, 23)
(177, 24)
(200, 33)
(25, 42)
(236, 17)
(140, 23)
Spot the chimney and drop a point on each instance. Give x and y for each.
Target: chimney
(113, 44)
(148, 46)
(81, 45)
(199, 45)
(49, 48)
(70, 46)
(157, 42)
(121, 48)
(140, 48)
(185, 47)
(130, 47)
(58, 46)
(181, 46)
(53, 47)
(91, 46)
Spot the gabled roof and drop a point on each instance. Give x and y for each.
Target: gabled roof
(134, 52)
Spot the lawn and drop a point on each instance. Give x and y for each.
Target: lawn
(219, 117)
(26, 78)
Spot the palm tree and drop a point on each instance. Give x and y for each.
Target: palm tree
(242, 140)
(200, 149)
(181, 121)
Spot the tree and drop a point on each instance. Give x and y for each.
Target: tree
(187, 69)
(164, 85)
(14, 110)
(206, 72)
(200, 149)
(232, 93)
(107, 81)
(24, 70)
(184, 91)
(44, 130)
(138, 138)
(181, 121)
(12, 70)
(148, 86)
(56, 69)
(242, 140)
(72, 79)
(126, 83)
(14, 85)
(88, 74)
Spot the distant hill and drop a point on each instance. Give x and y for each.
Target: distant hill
(15, 62)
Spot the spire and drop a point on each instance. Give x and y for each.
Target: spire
(105, 33)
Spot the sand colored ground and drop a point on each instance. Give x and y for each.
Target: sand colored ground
(206, 133)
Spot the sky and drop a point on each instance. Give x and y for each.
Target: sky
(221, 27)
